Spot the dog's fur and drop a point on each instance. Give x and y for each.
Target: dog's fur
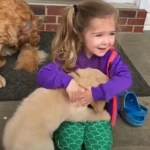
(2, 82)
(41, 113)
(19, 31)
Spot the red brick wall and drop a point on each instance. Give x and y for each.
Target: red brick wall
(129, 20)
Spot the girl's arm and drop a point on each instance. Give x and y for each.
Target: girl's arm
(120, 80)
(51, 76)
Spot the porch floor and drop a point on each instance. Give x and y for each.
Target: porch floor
(136, 47)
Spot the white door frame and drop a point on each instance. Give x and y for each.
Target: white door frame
(141, 4)
(145, 4)
(121, 1)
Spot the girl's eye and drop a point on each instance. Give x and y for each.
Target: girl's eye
(98, 35)
(113, 33)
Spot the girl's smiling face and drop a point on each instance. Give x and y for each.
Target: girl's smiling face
(99, 36)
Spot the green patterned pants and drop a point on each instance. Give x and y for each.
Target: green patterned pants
(93, 135)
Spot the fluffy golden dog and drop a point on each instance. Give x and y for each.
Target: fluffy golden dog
(19, 30)
(41, 113)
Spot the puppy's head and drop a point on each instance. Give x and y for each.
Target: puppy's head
(89, 77)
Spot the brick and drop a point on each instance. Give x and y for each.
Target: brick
(54, 10)
(136, 21)
(38, 9)
(122, 21)
(126, 28)
(141, 14)
(51, 27)
(127, 13)
(138, 29)
(50, 19)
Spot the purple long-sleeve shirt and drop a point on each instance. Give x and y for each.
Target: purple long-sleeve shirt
(51, 76)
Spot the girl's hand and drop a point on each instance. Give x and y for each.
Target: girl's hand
(86, 98)
(74, 90)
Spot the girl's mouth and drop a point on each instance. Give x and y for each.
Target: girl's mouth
(102, 49)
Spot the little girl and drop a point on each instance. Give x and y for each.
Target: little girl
(84, 39)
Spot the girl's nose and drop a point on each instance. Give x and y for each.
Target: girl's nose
(105, 40)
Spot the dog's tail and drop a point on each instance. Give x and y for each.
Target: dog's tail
(42, 56)
(30, 58)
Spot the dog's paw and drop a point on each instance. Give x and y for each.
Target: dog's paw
(8, 51)
(2, 82)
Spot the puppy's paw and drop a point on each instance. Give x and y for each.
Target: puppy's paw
(98, 106)
(2, 82)
(106, 115)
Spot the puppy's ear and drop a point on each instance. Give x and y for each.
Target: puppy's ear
(74, 75)
(82, 72)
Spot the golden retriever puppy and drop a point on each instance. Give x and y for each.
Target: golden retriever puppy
(19, 30)
(41, 113)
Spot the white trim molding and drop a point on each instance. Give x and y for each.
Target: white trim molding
(145, 4)
(147, 22)
(121, 1)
